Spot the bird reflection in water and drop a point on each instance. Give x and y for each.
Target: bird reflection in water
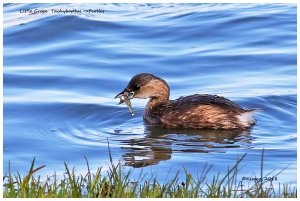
(159, 143)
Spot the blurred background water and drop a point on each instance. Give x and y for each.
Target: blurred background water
(62, 71)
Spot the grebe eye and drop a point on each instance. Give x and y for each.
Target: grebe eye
(136, 87)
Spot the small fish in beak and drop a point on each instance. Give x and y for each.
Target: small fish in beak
(125, 97)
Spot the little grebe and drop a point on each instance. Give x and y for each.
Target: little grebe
(195, 111)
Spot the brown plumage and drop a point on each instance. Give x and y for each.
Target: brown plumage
(195, 111)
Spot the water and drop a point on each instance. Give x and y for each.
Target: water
(62, 71)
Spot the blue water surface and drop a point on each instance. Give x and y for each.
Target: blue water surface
(62, 71)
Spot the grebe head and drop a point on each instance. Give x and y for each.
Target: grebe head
(146, 85)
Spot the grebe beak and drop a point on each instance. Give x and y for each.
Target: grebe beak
(123, 93)
(129, 94)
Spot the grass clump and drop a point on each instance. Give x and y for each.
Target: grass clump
(116, 183)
